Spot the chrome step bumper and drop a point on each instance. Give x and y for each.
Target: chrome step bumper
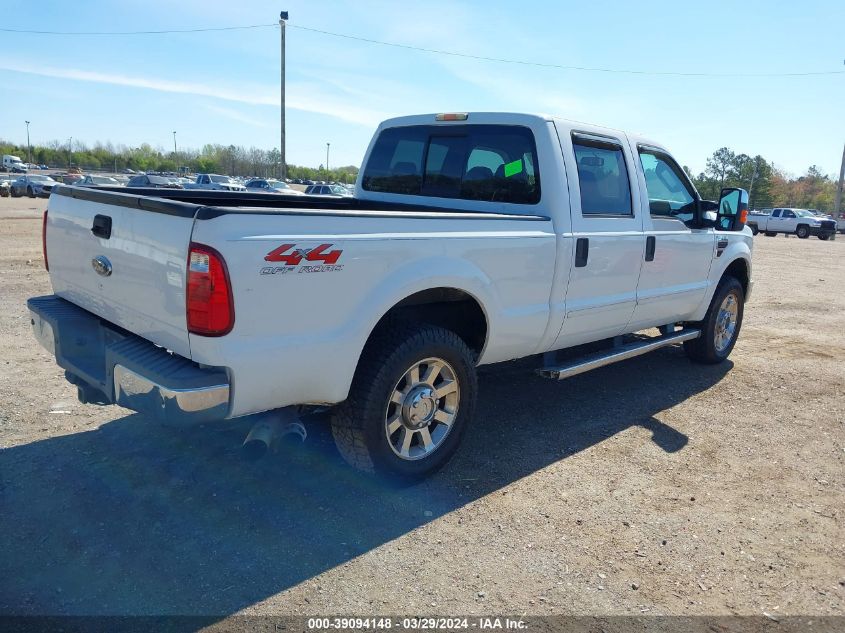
(111, 366)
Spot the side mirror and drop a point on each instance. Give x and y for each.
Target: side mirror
(733, 209)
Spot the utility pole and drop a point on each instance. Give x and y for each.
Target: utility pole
(69, 152)
(837, 204)
(28, 146)
(174, 144)
(284, 166)
(327, 158)
(751, 186)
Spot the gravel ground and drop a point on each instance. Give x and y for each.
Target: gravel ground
(650, 487)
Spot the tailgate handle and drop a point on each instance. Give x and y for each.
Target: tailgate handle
(102, 226)
(650, 245)
(582, 252)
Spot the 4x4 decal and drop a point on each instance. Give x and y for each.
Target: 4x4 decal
(318, 254)
(292, 257)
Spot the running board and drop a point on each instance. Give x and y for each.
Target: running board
(616, 354)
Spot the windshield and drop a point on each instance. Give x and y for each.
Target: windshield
(102, 180)
(278, 184)
(224, 179)
(803, 213)
(41, 179)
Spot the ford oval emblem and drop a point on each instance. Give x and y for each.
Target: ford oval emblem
(102, 265)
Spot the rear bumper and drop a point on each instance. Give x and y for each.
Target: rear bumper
(111, 366)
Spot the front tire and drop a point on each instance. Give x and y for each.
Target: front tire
(824, 237)
(803, 232)
(30, 192)
(720, 326)
(410, 402)
(770, 233)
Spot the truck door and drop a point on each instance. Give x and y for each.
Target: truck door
(676, 266)
(607, 228)
(788, 221)
(776, 221)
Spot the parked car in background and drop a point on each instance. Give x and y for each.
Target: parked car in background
(155, 182)
(98, 181)
(800, 222)
(68, 179)
(216, 182)
(272, 186)
(328, 190)
(33, 186)
(5, 188)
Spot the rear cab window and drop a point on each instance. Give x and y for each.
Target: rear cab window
(492, 163)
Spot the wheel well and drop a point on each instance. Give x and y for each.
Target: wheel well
(738, 268)
(449, 308)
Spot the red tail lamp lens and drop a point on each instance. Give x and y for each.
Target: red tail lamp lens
(210, 309)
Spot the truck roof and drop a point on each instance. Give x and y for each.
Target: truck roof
(512, 118)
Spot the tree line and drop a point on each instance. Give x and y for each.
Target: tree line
(234, 160)
(767, 185)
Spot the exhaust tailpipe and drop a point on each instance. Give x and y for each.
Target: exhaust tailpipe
(271, 428)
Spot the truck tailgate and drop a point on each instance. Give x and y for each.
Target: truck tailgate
(134, 278)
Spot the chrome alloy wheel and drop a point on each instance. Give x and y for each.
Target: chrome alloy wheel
(726, 323)
(422, 409)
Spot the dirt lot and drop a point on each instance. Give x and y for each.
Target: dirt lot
(650, 487)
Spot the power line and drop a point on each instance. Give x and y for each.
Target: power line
(560, 66)
(435, 51)
(167, 31)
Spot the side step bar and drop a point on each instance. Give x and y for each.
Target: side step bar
(616, 354)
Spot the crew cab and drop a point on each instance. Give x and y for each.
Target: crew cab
(215, 182)
(800, 222)
(472, 239)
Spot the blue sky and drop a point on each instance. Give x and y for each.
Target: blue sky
(223, 87)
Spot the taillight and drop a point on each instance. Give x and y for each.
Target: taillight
(208, 299)
(44, 240)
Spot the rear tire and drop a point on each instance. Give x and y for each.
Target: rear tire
(803, 231)
(754, 229)
(410, 402)
(720, 326)
(770, 234)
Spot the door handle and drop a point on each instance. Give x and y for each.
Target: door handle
(650, 245)
(582, 252)
(102, 226)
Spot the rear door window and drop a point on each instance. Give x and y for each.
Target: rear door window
(494, 163)
(602, 176)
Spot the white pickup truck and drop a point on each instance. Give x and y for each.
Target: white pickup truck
(800, 222)
(472, 239)
(215, 182)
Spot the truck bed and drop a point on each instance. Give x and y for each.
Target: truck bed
(207, 204)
